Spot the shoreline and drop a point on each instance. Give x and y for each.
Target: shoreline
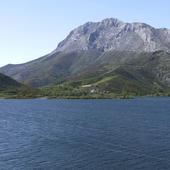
(83, 98)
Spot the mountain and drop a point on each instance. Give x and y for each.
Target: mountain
(98, 51)
(112, 34)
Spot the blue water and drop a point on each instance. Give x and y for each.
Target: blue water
(85, 134)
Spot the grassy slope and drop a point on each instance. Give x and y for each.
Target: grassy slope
(137, 77)
(121, 82)
(10, 88)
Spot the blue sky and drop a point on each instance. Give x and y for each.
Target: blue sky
(32, 28)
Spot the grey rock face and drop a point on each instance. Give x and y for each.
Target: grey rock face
(112, 34)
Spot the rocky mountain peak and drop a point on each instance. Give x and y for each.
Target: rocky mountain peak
(113, 34)
(114, 22)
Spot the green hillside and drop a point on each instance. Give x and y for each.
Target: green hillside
(122, 82)
(92, 74)
(10, 88)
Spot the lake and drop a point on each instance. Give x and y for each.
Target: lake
(45, 134)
